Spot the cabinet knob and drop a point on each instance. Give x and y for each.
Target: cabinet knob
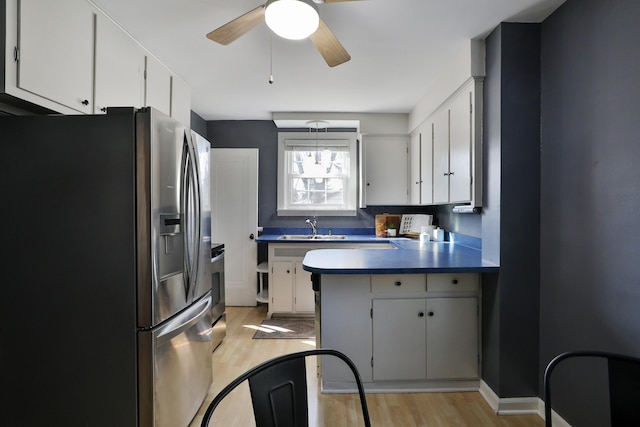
(288, 271)
(398, 283)
(450, 173)
(103, 109)
(85, 102)
(446, 174)
(430, 314)
(454, 281)
(251, 236)
(368, 184)
(421, 314)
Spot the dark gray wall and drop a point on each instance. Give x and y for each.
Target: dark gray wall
(263, 134)
(590, 186)
(198, 124)
(511, 214)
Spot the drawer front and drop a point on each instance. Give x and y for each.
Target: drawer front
(453, 282)
(398, 283)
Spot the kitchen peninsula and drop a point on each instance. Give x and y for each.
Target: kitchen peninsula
(409, 317)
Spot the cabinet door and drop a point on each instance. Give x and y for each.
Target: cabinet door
(460, 142)
(304, 297)
(399, 340)
(452, 338)
(56, 51)
(281, 287)
(157, 86)
(415, 182)
(426, 164)
(386, 163)
(441, 156)
(119, 68)
(180, 101)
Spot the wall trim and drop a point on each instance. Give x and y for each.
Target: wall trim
(518, 405)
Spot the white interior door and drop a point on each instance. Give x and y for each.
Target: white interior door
(234, 219)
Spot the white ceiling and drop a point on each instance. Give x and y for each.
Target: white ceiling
(396, 47)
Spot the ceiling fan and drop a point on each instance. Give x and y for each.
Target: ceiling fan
(291, 19)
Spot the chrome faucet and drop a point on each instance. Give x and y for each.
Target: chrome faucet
(313, 223)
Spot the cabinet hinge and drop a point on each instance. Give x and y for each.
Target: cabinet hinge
(16, 54)
(372, 362)
(371, 312)
(144, 74)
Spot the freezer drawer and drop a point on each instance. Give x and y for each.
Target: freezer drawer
(175, 367)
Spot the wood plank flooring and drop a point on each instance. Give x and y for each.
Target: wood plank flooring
(239, 352)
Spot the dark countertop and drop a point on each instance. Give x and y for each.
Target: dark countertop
(409, 256)
(351, 238)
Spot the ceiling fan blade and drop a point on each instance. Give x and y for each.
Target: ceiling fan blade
(328, 45)
(232, 30)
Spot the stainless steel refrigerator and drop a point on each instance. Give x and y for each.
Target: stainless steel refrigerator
(106, 306)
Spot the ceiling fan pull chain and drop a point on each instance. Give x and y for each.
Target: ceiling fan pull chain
(271, 64)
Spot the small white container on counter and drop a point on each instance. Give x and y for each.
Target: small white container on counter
(425, 233)
(438, 235)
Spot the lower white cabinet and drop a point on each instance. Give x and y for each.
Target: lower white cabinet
(421, 332)
(452, 338)
(399, 339)
(290, 288)
(304, 296)
(291, 291)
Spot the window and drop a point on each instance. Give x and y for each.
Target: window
(317, 173)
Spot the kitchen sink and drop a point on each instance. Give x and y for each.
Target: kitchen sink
(311, 237)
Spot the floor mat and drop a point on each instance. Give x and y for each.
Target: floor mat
(286, 329)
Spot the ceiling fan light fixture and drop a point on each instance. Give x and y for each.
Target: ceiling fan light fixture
(292, 19)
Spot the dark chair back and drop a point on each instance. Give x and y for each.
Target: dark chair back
(279, 390)
(624, 386)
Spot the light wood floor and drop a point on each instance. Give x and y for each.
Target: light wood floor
(239, 352)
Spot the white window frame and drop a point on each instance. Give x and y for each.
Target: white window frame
(287, 140)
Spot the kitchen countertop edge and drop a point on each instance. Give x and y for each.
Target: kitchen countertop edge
(408, 256)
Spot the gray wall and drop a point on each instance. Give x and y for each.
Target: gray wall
(510, 222)
(198, 124)
(590, 185)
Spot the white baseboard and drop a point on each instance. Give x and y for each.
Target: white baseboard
(556, 419)
(518, 405)
(508, 406)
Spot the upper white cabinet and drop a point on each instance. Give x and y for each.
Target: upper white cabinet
(69, 57)
(456, 142)
(386, 169)
(452, 150)
(119, 71)
(440, 123)
(55, 51)
(421, 180)
(158, 85)
(180, 100)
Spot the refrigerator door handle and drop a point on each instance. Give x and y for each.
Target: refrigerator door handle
(190, 206)
(184, 191)
(184, 321)
(197, 236)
